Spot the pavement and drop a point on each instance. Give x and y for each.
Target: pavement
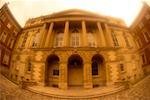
(10, 91)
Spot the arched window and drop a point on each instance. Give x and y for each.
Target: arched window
(97, 61)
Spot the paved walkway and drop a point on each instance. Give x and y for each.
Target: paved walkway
(10, 91)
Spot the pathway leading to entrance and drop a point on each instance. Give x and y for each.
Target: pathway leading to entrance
(10, 91)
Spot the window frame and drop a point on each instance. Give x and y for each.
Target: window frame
(59, 39)
(75, 39)
(95, 68)
(115, 40)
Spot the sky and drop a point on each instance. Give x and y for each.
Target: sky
(25, 9)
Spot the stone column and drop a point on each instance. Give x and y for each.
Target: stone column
(43, 35)
(108, 75)
(84, 36)
(108, 36)
(48, 38)
(101, 41)
(28, 41)
(87, 70)
(63, 71)
(66, 34)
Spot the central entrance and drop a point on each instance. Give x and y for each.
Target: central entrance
(75, 71)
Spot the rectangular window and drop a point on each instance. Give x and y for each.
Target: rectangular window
(5, 59)
(56, 72)
(15, 32)
(139, 42)
(91, 40)
(3, 37)
(143, 58)
(146, 37)
(94, 68)
(29, 66)
(126, 40)
(94, 71)
(9, 42)
(12, 43)
(3, 18)
(59, 40)
(116, 44)
(74, 39)
(121, 67)
(25, 36)
(36, 39)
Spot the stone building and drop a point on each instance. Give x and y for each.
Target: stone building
(9, 31)
(75, 48)
(141, 32)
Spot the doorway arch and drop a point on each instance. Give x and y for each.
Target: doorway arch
(75, 71)
(52, 70)
(98, 70)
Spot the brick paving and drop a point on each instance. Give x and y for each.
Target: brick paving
(10, 91)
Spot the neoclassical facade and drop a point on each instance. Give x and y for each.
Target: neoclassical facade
(75, 48)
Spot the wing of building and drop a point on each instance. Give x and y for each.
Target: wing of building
(9, 31)
(140, 30)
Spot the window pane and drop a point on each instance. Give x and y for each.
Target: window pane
(56, 72)
(91, 40)
(114, 39)
(59, 40)
(94, 68)
(74, 39)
